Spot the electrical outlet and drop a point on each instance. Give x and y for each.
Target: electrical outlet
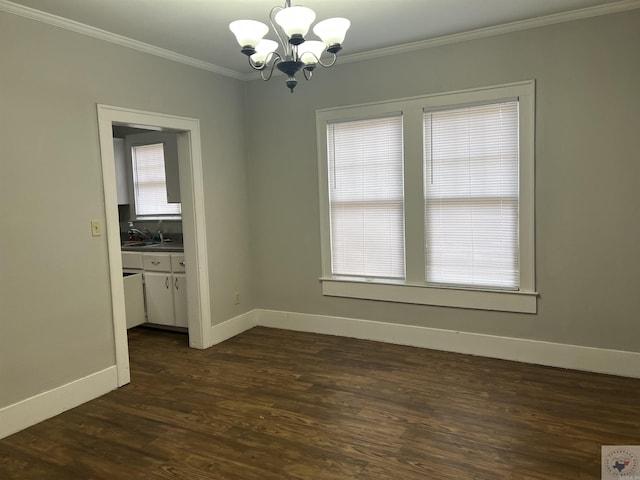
(236, 299)
(96, 228)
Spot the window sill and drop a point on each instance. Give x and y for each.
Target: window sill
(156, 218)
(498, 300)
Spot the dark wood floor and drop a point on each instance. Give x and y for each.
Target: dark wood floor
(274, 404)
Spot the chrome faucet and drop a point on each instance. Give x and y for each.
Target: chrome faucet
(142, 235)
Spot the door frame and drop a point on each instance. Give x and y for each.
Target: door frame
(193, 223)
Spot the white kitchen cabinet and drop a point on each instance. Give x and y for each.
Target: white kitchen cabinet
(134, 298)
(133, 288)
(159, 295)
(172, 173)
(132, 260)
(166, 292)
(177, 263)
(156, 262)
(122, 183)
(180, 299)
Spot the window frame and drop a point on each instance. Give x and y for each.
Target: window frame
(414, 288)
(168, 140)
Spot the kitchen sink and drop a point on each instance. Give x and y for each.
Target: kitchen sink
(164, 247)
(136, 245)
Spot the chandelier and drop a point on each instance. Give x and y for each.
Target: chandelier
(291, 25)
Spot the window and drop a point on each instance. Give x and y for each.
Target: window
(429, 200)
(149, 182)
(366, 197)
(471, 195)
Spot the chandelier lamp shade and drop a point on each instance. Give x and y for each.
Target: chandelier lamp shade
(294, 52)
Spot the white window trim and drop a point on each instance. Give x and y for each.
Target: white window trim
(413, 289)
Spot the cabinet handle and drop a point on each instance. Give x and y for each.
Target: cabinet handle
(155, 262)
(166, 282)
(175, 282)
(182, 263)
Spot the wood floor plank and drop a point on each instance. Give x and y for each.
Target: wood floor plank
(272, 404)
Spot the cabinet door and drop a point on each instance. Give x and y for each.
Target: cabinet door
(122, 182)
(159, 295)
(172, 173)
(180, 299)
(134, 299)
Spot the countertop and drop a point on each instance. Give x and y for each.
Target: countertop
(152, 247)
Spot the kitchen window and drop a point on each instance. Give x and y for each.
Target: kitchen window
(429, 200)
(150, 183)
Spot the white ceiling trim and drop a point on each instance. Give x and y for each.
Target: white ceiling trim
(94, 32)
(495, 30)
(582, 13)
(61, 22)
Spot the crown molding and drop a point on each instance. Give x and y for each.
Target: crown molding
(90, 31)
(588, 12)
(582, 13)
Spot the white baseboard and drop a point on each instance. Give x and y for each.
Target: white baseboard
(30, 411)
(232, 327)
(575, 357)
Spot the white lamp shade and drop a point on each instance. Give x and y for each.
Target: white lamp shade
(295, 20)
(332, 30)
(310, 51)
(248, 32)
(263, 50)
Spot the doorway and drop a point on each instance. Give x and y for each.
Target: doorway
(193, 220)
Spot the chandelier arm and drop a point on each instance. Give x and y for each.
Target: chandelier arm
(277, 60)
(256, 67)
(265, 65)
(276, 27)
(325, 65)
(331, 63)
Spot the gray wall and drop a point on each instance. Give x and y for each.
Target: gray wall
(262, 215)
(587, 178)
(55, 308)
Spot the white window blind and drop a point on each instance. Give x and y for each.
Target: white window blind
(149, 181)
(365, 162)
(471, 196)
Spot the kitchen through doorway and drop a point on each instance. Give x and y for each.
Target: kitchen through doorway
(187, 133)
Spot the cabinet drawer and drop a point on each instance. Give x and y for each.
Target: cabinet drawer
(177, 263)
(132, 260)
(156, 262)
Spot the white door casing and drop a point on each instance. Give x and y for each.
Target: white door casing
(193, 218)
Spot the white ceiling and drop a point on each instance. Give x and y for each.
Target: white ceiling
(199, 28)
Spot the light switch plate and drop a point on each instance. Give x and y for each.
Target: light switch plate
(96, 228)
